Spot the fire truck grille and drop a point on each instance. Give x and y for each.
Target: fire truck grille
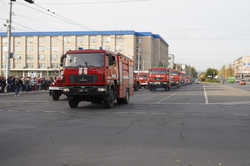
(157, 78)
(91, 78)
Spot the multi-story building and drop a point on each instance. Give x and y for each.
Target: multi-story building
(241, 67)
(38, 53)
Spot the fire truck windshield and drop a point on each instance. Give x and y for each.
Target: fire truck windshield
(85, 60)
(159, 71)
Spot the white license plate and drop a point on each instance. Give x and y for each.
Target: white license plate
(157, 83)
(55, 88)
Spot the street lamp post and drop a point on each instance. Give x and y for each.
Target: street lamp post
(9, 46)
(9, 41)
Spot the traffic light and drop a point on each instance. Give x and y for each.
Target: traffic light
(29, 1)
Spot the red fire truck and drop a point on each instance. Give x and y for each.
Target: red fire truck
(143, 78)
(175, 78)
(182, 78)
(159, 78)
(97, 76)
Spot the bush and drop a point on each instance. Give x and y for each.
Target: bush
(211, 80)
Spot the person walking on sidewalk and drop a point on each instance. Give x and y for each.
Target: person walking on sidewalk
(18, 84)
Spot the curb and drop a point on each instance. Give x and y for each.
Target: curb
(23, 93)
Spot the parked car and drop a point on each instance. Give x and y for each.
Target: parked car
(243, 82)
(197, 81)
(237, 81)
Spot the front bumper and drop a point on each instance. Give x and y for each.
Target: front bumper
(88, 93)
(158, 84)
(86, 90)
(56, 89)
(143, 83)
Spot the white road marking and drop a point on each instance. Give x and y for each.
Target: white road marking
(159, 102)
(205, 95)
(50, 111)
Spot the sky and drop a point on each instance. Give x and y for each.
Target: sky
(200, 33)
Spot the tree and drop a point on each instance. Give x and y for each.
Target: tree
(202, 76)
(194, 72)
(226, 72)
(229, 71)
(211, 73)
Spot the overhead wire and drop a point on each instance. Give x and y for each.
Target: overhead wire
(52, 13)
(97, 2)
(18, 24)
(63, 17)
(24, 26)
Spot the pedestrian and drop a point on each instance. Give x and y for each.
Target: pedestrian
(18, 84)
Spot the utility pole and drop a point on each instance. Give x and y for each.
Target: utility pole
(9, 22)
(9, 46)
(138, 62)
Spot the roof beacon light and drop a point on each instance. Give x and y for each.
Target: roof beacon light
(80, 48)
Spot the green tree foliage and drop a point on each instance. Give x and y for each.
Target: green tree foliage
(223, 71)
(211, 73)
(230, 71)
(194, 72)
(226, 72)
(202, 76)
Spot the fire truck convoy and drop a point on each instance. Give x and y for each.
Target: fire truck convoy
(97, 76)
(159, 77)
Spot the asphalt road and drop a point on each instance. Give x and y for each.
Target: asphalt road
(197, 125)
(237, 85)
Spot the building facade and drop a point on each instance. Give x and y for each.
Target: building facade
(38, 53)
(241, 67)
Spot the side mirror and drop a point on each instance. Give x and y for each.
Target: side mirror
(62, 59)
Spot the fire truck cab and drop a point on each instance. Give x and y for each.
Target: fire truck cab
(159, 78)
(175, 78)
(97, 76)
(143, 78)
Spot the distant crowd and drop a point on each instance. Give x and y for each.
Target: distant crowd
(16, 84)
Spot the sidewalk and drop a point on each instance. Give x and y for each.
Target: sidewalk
(24, 92)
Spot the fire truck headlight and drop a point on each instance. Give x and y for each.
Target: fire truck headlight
(66, 90)
(101, 89)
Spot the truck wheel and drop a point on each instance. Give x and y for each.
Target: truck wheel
(73, 102)
(55, 96)
(167, 88)
(126, 99)
(110, 100)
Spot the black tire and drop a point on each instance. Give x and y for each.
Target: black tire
(73, 102)
(127, 97)
(124, 100)
(55, 96)
(110, 100)
(167, 88)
